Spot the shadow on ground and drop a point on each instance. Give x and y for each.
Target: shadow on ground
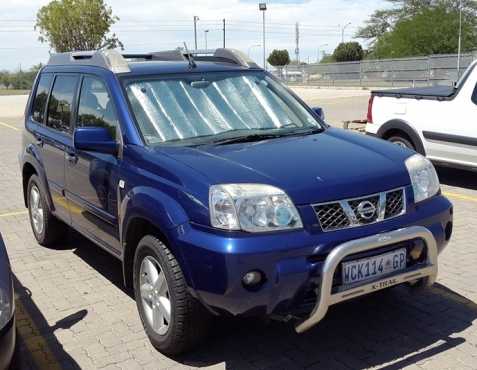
(399, 326)
(37, 346)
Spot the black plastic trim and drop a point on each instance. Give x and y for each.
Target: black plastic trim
(456, 139)
(403, 126)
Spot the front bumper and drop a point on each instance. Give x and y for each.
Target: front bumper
(326, 298)
(293, 262)
(7, 344)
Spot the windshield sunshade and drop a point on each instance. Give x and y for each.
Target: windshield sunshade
(185, 108)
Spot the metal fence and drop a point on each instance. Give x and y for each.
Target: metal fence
(419, 71)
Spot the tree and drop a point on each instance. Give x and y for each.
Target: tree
(279, 58)
(5, 79)
(348, 52)
(432, 30)
(21, 80)
(382, 24)
(69, 25)
(327, 58)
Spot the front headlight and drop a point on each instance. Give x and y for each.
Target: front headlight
(6, 306)
(252, 208)
(424, 180)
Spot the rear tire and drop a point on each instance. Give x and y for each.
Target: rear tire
(46, 228)
(173, 320)
(402, 141)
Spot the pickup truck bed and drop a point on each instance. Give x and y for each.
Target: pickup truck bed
(437, 121)
(430, 93)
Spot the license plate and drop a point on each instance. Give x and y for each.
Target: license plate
(370, 268)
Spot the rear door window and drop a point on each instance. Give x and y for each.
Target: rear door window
(95, 106)
(61, 102)
(41, 97)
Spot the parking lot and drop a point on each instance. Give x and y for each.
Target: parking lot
(74, 313)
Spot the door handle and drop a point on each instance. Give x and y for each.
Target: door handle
(72, 158)
(38, 141)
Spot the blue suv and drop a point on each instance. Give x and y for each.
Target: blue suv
(221, 192)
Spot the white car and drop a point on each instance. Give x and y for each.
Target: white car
(439, 122)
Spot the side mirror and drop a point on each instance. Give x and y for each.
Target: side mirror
(95, 139)
(319, 112)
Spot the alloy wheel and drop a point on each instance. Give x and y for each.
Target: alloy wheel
(36, 210)
(154, 290)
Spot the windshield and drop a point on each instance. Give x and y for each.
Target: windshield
(190, 108)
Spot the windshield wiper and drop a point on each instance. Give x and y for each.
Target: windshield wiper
(265, 136)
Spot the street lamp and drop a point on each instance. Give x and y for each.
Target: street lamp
(459, 47)
(196, 18)
(251, 47)
(343, 31)
(263, 8)
(318, 52)
(205, 36)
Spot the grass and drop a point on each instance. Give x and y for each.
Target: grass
(13, 92)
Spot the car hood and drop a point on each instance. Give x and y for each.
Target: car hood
(331, 165)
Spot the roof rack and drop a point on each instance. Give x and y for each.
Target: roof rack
(109, 59)
(118, 63)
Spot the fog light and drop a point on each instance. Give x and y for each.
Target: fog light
(416, 251)
(252, 278)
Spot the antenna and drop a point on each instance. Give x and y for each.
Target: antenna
(189, 56)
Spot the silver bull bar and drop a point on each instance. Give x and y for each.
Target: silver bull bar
(326, 298)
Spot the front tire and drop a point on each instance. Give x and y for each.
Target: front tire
(173, 320)
(46, 228)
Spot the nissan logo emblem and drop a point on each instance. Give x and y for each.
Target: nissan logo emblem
(366, 210)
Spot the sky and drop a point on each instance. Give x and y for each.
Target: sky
(152, 25)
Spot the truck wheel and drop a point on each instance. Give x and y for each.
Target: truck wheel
(173, 320)
(402, 141)
(47, 229)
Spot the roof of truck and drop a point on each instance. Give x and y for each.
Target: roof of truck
(163, 62)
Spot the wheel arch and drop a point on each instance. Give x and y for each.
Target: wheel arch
(149, 211)
(31, 167)
(397, 126)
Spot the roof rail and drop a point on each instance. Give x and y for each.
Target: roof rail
(216, 55)
(118, 63)
(109, 59)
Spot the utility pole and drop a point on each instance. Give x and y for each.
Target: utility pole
(205, 35)
(459, 48)
(297, 43)
(223, 20)
(263, 8)
(196, 18)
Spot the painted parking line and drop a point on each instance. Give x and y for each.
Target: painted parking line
(469, 198)
(9, 126)
(11, 214)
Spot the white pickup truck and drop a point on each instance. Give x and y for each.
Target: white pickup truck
(439, 122)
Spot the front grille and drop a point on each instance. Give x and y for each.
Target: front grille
(333, 216)
(394, 203)
(361, 211)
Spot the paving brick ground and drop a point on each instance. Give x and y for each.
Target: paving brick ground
(74, 313)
